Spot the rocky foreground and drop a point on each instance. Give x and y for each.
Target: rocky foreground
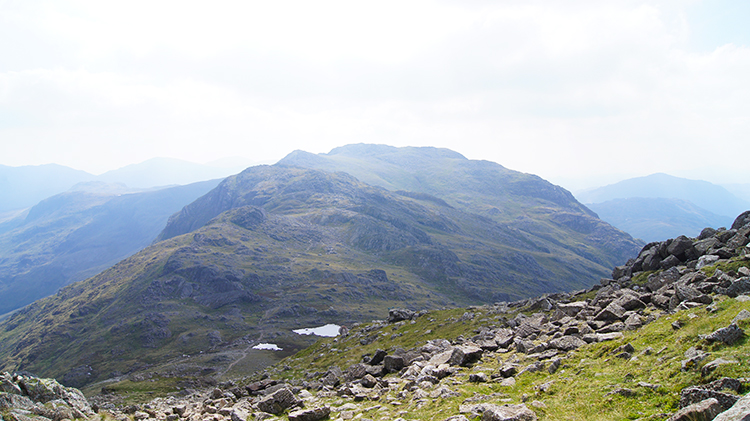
(663, 339)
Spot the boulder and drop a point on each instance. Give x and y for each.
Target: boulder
(679, 246)
(567, 343)
(727, 335)
(278, 402)
(740, 411)
(378, 357)
(704, 410)
(399, 314)
(612, 312)
(739, 286)
(312, 414)
(393, 363)
(508, 413)
(465, 355)
(694, 394)
(742, 220)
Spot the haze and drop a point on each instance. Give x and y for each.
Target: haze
(582, 93)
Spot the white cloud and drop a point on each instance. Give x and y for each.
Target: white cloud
(565, 90)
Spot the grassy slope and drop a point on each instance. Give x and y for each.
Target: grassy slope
(580, 389)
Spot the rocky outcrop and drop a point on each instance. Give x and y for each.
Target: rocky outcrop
(25, 397)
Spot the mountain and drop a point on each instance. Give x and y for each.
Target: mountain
(740, 190)
(22, 187)
(711, 197)
(74, 235)
(521, 201)
(164, 172)
(277, 248)
(656, 219)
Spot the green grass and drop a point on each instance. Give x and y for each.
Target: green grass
(581, 389)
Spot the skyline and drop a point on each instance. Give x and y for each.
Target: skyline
(582, 95)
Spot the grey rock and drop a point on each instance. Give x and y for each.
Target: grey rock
(278, 402)
(740, 411)
(393, 363)
(704, 410)
(679, 246)
(739, 286)
(465, 355)
(742, 220)
(612, 312)
(572, 309)
(509, 413)
(378, 357)
(724, 383)
(669, 262)
(368, 381)
(478, 378)
(742, 315)
(239, 415)
(313, 414)
(713, 365)
(694, 394)
(728, 335)
(399, 314)
(7, 384)
(567, 343)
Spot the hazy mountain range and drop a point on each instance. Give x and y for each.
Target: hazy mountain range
(660, 206)
(23, 187)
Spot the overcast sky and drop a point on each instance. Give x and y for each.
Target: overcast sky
(582, 93)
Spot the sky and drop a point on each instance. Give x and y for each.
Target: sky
(582, 93)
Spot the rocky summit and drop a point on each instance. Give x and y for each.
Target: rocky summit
(649, 343)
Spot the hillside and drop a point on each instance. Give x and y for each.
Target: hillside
(74, 235)
(665, 338)
(288, 248)
(656, 219)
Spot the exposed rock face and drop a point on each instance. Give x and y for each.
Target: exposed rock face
(43, 399)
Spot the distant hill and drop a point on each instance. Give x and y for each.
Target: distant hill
(277, 248)
(711, 197)
(740, 190)
(165, 172)
(657, 219)
(22, 187)
(74, 235)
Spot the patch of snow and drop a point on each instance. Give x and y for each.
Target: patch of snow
(329, 330)
(271, 347)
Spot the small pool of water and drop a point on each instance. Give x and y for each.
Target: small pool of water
(329, 330)
(271, 347)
